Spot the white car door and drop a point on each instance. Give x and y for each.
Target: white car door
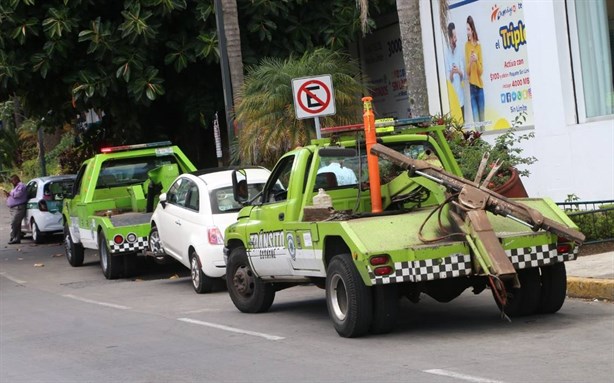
(169, 221)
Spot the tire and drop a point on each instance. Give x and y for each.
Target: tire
(248, 293)
(37, 236)
(201, 282)
(112, 266)
(153, 241)
(349, 301)
(524, 300)
(385, 308)
(554, 288)
(74, 251)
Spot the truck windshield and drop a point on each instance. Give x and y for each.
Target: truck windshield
(339, 172)
(129, 171)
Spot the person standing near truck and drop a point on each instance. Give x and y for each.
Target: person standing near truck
(16, 201)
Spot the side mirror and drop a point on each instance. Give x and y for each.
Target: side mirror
(163, 200)
(239, 187)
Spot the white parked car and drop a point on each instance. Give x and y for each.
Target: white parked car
(189, 222)
(44, 206)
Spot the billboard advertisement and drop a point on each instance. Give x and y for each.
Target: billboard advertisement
(486, 65)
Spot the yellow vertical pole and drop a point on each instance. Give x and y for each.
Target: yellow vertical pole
(372, 160)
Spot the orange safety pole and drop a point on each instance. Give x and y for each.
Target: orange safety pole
(372, 160)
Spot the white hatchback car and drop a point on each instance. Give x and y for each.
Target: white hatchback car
(189, 222)
(44, 206)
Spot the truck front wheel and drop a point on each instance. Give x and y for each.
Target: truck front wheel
(349, 301)
(111, 266)
(74, 251)
(248, 292)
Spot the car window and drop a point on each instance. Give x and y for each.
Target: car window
(129, 171)
(222, 199)
(31, 189)
(56, 190)
(192, 198)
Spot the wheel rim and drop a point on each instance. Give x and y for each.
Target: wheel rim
(243, 281)
(195, 271)
(34, 231)
(68, 245)
(339, 297)
(154, 242)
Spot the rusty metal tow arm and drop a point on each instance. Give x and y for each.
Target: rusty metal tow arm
(470, 217)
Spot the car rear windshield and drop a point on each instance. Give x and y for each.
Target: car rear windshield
(222, 199)
(129, 171)
(56, 190)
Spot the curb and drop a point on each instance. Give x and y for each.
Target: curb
(590, 288)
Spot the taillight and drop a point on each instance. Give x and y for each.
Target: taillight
(378, 260)
(42, 205)
(118, 239)
(563, 246)
(215, 236)
(383, 270)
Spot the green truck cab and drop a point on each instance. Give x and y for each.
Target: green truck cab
(417, 244)
(113, 199)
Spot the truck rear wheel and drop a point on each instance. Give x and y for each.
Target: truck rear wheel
(554, 288)
(248, 292)
(74, 251)
(385, 308)
(349, 301)
(200, 281)
(112, 266)
(524, 300)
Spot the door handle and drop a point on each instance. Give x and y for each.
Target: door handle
(178, 223)
(282, 216)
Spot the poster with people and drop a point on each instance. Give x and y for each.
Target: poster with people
(486, 65)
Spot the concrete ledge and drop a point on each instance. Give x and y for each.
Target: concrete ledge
(590, 288)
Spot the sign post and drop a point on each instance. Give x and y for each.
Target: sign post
(314, 97)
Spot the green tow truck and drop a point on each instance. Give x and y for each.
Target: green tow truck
(410, 225)
(112, 201)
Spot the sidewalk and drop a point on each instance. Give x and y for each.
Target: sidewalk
(589, 277)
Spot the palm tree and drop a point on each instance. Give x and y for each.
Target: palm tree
(233, 44)
(266, 110)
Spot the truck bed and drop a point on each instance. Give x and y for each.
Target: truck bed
(128, 219)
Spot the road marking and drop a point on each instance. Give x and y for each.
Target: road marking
(18, 281)
(113, 305)
(201, 311)
(456, 375)
(232, 329)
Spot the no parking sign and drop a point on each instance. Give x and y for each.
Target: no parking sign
(313, 96)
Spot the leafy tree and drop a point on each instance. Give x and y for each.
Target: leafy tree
(266, 110)
(150, 65)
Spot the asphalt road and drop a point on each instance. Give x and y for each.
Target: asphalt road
(65, 324)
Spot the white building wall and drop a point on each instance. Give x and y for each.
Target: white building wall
(573, 158)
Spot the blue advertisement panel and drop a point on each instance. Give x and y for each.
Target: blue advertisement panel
(486, 65)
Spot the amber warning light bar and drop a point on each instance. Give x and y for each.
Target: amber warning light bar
(382, 125)
(122, 148)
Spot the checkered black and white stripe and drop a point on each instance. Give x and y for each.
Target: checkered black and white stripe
(527, 257)
(127, 247)
(426, 270)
